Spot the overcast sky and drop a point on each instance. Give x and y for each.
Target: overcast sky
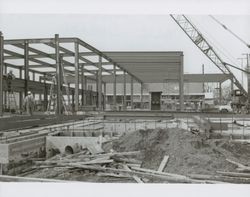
(137, 28)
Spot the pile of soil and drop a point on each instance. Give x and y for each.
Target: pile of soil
(188, 153)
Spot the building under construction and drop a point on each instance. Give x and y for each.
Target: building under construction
(119, 116)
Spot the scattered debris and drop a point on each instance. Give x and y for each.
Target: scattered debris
(144, 156)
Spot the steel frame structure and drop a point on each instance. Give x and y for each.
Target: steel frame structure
(35, 59)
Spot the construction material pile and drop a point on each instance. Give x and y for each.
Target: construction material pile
(160, 155)
(188, 153)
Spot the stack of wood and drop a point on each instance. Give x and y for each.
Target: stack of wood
(119, 165)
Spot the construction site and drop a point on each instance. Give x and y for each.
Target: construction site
(70, 112)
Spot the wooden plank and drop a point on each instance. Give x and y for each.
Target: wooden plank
(141, 174)
(126, 160)
(136, 178)
(235, 174)
(63, 163)
(222, 179)
(177, 177)
(163, 163)
(5, 178)
(241, 167)
(112, 175)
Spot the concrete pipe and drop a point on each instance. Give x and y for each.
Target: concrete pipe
(72, 149)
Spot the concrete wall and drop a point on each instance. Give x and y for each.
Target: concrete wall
(4, 153)
(26, 149)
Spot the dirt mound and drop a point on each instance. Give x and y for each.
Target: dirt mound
(188, 153)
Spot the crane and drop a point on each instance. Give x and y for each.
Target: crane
(231, 32)
(198, 39)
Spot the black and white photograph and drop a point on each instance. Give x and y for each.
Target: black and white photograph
(125, 93)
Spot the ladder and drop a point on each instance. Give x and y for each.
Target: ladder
(52, 104)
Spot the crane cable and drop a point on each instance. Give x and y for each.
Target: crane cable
(225, 27)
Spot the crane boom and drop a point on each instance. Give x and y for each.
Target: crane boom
(193, 33)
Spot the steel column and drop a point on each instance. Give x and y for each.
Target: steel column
(20, 93)
(181, 84)
(97, 90)
(248, 77)
(124, 91)
(45, 94)
(26, 67)
(82, 83)
(104, 96)
(220, 93)
(85, 91)
(141, 95)
(76, 76)
(114, 86)
(58, 75)
(132, 93)
(100, 84)
(1, 74)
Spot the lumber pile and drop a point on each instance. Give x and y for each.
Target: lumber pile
(121, 165)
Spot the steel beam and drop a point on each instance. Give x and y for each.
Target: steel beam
(114, 86)
(76, 77)
(1, 72)
(132, 93)
(22, 41)
(124, 91)
(91, 48)
(100, 84)
(26, 68)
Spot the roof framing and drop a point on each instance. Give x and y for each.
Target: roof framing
(38, 56)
